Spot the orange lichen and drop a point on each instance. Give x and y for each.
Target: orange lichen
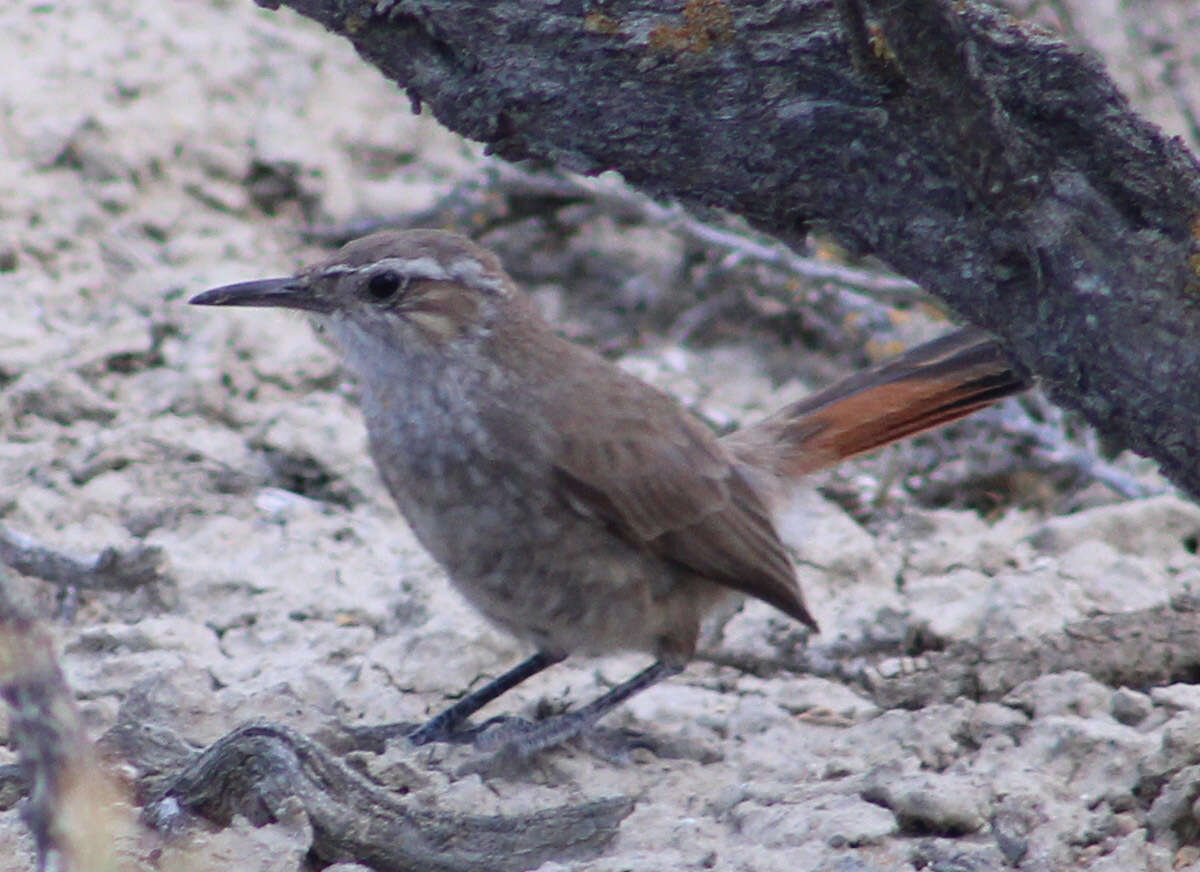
(598, 22)
(879, 44)
(705, 23)
(670, 39)
(712, 16)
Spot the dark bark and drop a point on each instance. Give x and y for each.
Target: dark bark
(260, 770)
(982, 158)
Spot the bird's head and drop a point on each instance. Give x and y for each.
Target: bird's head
(417, 291)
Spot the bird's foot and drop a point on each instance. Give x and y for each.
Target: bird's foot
(463, 732)
(518, 738)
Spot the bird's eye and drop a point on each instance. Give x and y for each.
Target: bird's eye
(382, 286)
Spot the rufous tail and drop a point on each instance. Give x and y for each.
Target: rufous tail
(927, 386)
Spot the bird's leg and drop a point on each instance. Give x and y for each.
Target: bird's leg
(444, 726)
(524, 739)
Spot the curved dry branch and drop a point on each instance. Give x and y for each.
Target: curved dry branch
(980, 157)
(261, 769)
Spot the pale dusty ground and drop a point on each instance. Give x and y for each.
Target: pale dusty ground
(126, 133)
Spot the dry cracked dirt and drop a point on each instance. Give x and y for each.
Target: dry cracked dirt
(151, 150)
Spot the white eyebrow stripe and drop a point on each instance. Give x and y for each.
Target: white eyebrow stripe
(467, 270)
(412, 267)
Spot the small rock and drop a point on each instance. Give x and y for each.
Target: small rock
(1179, 747)
(1063, 693)
(949, 805)
(991, 719)
(1172, 809)
(1130, 707)
(1133, 852)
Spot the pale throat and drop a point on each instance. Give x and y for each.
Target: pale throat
(413, 391)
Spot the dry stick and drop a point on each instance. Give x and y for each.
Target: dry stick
(1133, 649)
(472, 205)
(111, 569)
(73, 808)
(615, 197)
(1054, 445)
(1140, 649)
(261, 769)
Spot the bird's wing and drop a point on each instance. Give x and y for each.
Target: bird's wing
(637, 461)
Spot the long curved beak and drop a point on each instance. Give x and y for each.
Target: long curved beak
(289, 293)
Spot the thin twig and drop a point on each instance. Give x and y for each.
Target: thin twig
(111, 569)
(617, 196)
(472, 203)
(1053, 444)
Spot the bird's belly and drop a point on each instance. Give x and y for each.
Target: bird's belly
(563, 582)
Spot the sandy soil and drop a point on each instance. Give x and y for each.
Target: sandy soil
(148, 151)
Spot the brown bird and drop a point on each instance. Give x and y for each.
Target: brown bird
(571, 503)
